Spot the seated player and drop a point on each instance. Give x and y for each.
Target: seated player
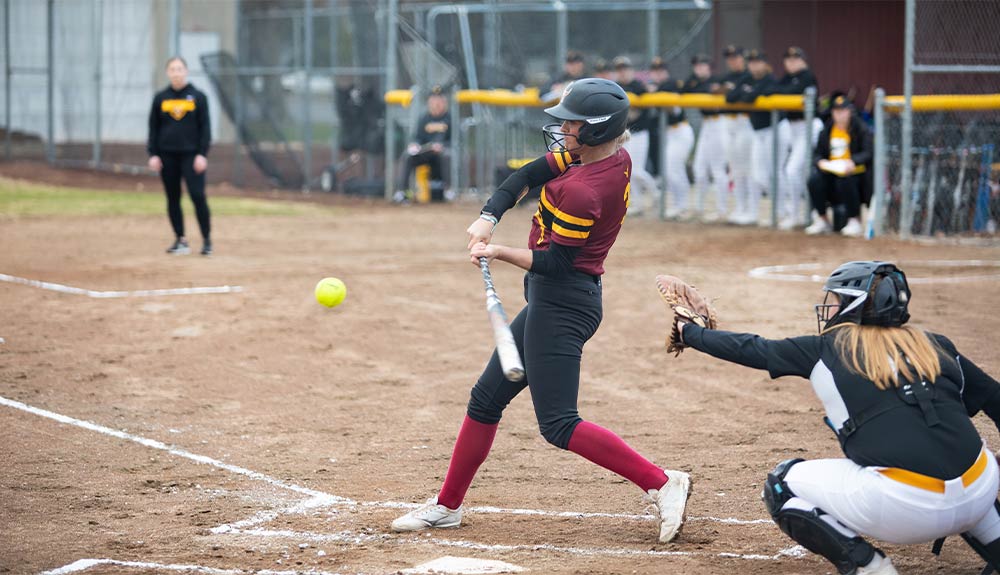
(430, 144)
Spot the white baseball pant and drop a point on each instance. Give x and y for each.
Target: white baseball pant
(739, 146)
(680, 140)
(644, 186)
(796, 141)
(710, 158)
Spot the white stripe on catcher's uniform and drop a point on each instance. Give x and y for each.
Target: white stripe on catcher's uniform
(645, 186)
(869, 503)
(710, 158)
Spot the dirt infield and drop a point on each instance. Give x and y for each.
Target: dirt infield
(257, 430)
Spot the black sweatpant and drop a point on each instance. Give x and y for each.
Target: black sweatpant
(433, 159)
(176, 166)
(843, 194)
(550, 332)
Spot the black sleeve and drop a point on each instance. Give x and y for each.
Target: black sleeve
(204, 125)
(736, 94)
(980, 392)
(865, 153)
(556, 262)
(793, 356)
(420, 136)
(530, 175)
(152, 147)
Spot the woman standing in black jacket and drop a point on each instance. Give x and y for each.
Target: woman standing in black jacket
(179, 138)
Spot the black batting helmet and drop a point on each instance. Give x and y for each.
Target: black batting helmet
(870, 293)
(602, 106)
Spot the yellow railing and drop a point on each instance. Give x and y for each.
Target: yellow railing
(530, 99)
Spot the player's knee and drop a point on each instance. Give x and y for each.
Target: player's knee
(482, 408)
(558, 431)
(776, 492)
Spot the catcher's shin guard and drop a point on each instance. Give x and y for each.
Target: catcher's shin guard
(812, 528)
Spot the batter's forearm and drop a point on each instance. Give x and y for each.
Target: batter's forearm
(520, 257)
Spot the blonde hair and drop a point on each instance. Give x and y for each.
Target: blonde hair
(883, 354)
(620, 140)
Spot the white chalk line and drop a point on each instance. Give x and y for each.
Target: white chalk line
(779, 272)
(320, 499)
(362, 538)
(119, 294)
(84, 564)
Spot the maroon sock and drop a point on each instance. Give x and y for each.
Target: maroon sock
(471, 448)
(606, 449)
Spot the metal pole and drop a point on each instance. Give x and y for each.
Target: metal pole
(8, 77)
(50, 96)
(906, 161)
(334, 62)
(98, 61)
(661, 125)
(876, 220)
(652, 31)
(490, 47)
(390, 84)
(175, 28)
(774, 168)
(456, 153)
(238, 127)
(562, 31)
(809, 109)
(306, 97)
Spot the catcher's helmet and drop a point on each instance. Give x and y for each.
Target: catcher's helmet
(602, 106)
(870, 293)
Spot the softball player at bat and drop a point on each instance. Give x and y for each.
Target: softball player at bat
(579, 215)
(899, 400)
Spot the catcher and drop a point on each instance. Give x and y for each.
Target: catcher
(899, 400)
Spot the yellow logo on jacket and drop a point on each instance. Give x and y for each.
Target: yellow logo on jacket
(177, 108)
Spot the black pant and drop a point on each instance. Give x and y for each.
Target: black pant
(433, 159)
(844, 194)
(176, 165)
(550, 332)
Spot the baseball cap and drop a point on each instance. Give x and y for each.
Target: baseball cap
(733, 50)
(601, 65)
(756, 54)
(840, 102)
(701, 59)
(657, 63)
(574, 56)
(795, 52)
(621, 62)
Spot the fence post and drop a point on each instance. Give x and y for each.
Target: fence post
(390, 84)
(50, 95)
(809, 112)
(98, 14)
(906, 148)
(8, 77)
(307, 133)
(880, 193)
(774, 168)
(661, 125)
(456, 154)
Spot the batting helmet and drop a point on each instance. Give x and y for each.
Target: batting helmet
(870, 293)
(602, 106)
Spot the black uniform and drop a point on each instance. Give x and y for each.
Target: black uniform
(876, 427)
(640, 119)
(430, 130)
(794, 84)
(844, 193)
(695, 85)
(746, 90)
(179, 130)
(735, 79)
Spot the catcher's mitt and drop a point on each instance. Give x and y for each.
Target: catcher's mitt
(687, 305)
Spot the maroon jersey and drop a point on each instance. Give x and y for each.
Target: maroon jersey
(584, 207)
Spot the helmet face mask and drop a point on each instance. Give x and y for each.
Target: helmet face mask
(602, 107)
(868, 293)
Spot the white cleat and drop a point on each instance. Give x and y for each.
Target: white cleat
(853, 228)
(429, 516)
(670, 502)
(880, 565)
(819, 226)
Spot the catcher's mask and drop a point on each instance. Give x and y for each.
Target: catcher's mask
(602, 106)
(867, 293)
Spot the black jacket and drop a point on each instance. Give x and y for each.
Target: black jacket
(795, 84)
(747, 91)
(639, 118)
(694, 85)
(862, 152)
(179, 123)
(434, 130)
(674, 115)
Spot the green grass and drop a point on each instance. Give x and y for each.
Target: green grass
(19, 198)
